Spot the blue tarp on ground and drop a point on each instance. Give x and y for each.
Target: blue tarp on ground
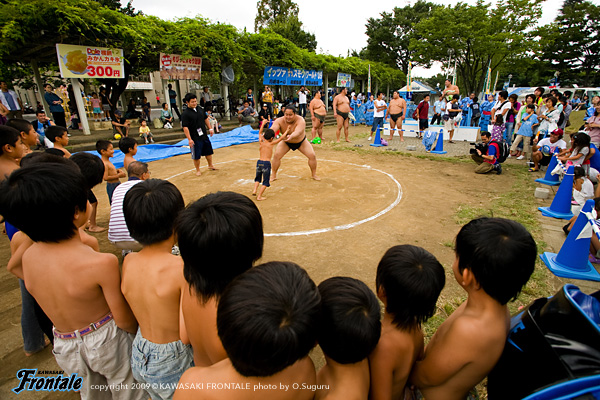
(154, 152)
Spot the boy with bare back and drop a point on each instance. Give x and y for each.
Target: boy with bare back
(11, 150)
(349, 330)
(158, 357)
(494, 259)
(220, 236)
(129, 148)
(267, 320)
(296, 140)
(77, 287)
(111, 173)
(409, 282)
(341, 111)
(263, 165)
(318, 114)
(396, 113)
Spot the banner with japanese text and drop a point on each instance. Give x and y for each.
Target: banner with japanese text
(174, 66)
(292, 77)
(343, 80)
(89, 61)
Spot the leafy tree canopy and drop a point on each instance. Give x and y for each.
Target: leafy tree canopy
(476, 36)
(390, 35)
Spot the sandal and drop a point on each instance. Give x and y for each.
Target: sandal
(533, 169)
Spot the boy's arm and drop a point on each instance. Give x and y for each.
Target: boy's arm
(118, 174)
(18, 245)
(334, 105)
(281, 137)
(109, 279)
(452, 352)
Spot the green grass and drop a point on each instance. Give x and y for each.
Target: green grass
(576, 119)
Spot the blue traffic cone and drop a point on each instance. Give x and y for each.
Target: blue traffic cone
(439, 145)
(561, 204)
(572, 259)
(377, 141)
(549, 179)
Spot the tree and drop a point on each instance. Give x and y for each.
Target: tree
(390, 36)
(281, 17)
(476, 36)
(572, 44)
(291, 29)
(269, 11)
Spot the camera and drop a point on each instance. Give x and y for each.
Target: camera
(482, 147)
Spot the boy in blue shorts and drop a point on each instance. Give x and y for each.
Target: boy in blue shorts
(158, 357)
(263, 166)
(349, 330)
(77, 287)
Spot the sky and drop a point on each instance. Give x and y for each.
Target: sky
(339, 27)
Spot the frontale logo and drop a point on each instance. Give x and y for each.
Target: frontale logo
(31, 382)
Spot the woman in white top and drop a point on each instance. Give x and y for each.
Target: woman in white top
(549, 118)
(500, 115)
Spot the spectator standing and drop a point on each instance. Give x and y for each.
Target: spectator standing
(486, 112)
(250, 97)
(499, 115)
(511, 118)
(106, 104)
(73, 109)
(10, 101)
(267, 97)
(437, 112)
(567, 109)
(55, 104)
(592, 109)
(302, 93)
(549, 118)
(173, 100)
(592, 127)
(423, 109)
(207, 99)
(475, 112)
(146, 109)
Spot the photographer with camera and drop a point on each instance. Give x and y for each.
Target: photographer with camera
(486, 155)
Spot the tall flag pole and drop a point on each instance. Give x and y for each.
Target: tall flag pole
(454, 73)
(495, 82)
(369, 83)
(409, 81)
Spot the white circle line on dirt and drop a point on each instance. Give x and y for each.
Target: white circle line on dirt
(333, 228)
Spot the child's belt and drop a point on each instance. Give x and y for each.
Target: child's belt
(91, 328)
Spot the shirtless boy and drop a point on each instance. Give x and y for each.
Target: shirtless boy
(295, 141)
(129, 148)
(158, 355)
(111, 174)
(318, 114)
(29, 137)
(77, 287)
(409, 281)
(396, 113)
(220, 236)
(263, 165)
(494, 259)
(349, 331)
(12, 150)
(341, 109)
(60, 137)
(267, 320)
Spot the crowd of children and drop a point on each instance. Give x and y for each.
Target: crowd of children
(179, 324)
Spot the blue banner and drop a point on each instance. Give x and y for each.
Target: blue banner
(292, 77)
